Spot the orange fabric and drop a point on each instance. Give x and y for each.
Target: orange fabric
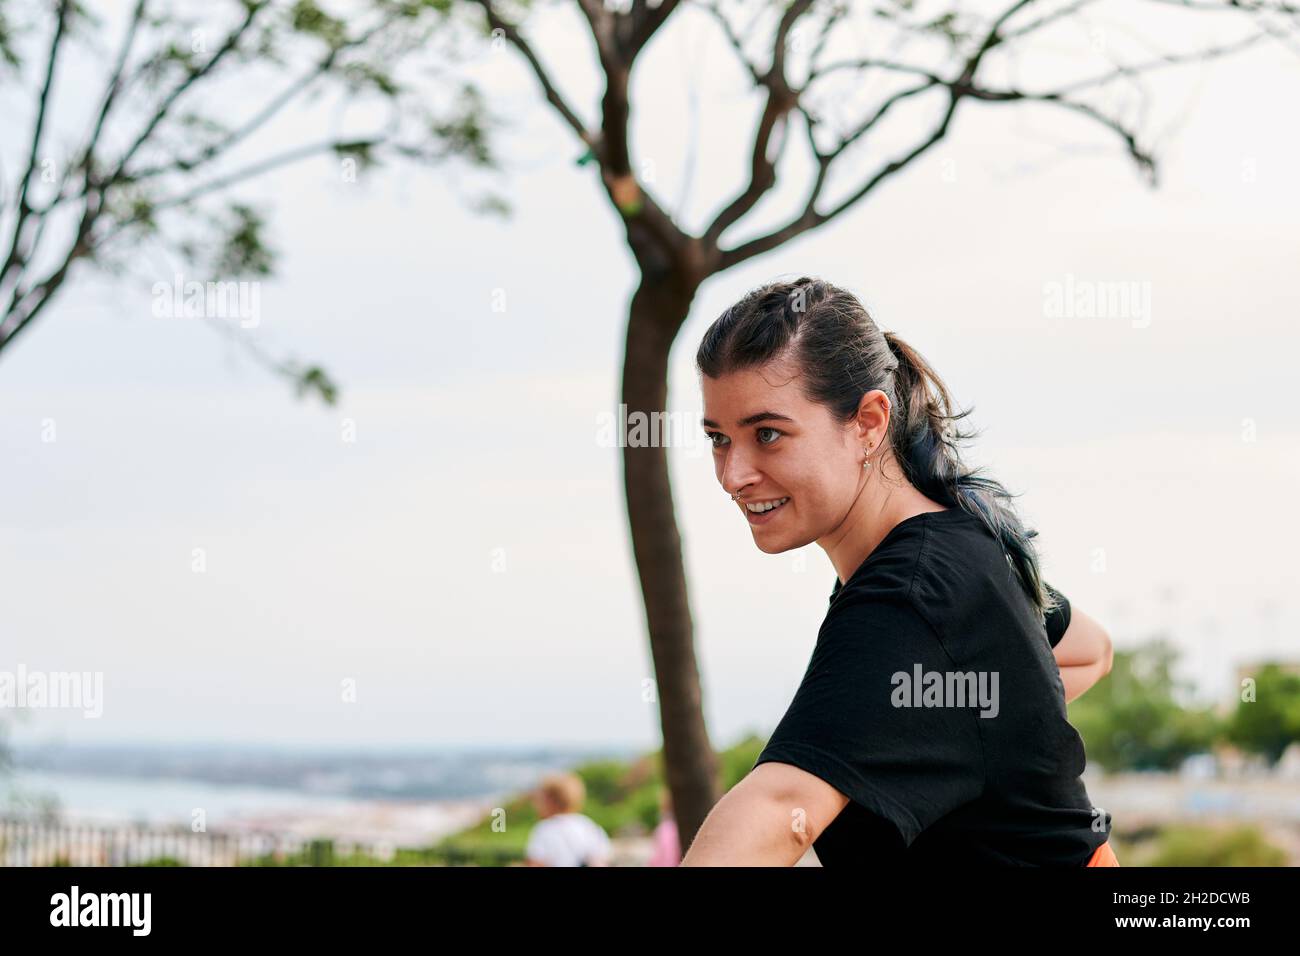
(1103, 856)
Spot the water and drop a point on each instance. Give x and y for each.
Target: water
(409, 798)
(157, 801)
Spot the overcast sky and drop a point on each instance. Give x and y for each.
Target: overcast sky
(465, 559)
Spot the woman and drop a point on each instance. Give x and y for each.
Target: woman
(930, 726)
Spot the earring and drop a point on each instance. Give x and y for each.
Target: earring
(866, 464)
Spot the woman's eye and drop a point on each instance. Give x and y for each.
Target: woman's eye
(713, 436)
(774, 432)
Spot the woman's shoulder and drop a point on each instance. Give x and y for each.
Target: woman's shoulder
(961, 558)
(934, 563)
(891, 569)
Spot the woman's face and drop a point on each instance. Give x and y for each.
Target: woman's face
(772, 444)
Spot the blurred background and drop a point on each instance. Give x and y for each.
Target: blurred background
(316, 531)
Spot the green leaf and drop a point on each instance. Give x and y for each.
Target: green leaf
(7, 52)
(307, 17)
(244, 252)
(314, 379)
(492, 205)
(360, 75)
(361, 150)
(466, 135)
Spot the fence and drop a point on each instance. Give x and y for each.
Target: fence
(33, 842)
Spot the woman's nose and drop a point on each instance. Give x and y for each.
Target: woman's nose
(736, 473)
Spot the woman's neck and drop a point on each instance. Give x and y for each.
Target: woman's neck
(873, 514)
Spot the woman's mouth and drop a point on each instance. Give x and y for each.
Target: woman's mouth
(761, 512)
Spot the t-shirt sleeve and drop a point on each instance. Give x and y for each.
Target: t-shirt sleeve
(857, 722)
(1057, 619)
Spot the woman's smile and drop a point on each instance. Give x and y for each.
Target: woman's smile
(761, 512)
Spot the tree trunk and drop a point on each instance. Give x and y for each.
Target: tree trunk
(658, 309)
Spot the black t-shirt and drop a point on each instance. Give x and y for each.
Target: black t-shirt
(932, 701)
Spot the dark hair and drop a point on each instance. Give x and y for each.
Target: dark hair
(841, 355)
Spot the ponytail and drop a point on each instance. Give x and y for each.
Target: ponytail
(927, 443)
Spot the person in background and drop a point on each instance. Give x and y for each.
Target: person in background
(667, 848)
(564, 836)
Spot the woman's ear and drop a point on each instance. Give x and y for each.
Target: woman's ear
(873, 418)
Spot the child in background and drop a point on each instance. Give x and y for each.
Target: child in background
(564, 836)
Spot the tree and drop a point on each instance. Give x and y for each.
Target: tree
(802, 63)
(1133, 720)
(161, 150)
(1267, 718)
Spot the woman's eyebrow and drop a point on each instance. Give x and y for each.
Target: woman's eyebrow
(754, 419)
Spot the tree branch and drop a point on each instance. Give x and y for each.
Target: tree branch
(264, 115)
(810, 218)
(15, 257)
(114, 85)
(645, 21)
(229, 44)
(497, 22)
(241, 175)
(602, 23)
(781, 99)
(1173, 59)
(1248, 6)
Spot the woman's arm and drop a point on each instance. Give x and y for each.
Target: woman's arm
(770, 818)
(1084, 654)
